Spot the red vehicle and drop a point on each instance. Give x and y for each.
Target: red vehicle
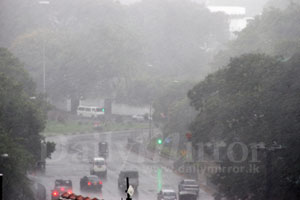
(60, 187)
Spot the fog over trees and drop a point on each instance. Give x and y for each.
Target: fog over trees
(106, 46)
(173, 55)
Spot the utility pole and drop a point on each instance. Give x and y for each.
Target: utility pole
(44, 69)
(150, 122)
(44, 53)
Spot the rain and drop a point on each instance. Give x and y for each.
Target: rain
(149, 99)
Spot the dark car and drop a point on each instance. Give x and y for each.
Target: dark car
(133, 179)
(188, 185)
(60, 187)
(90, 183)
(103, 149)
(187, 195)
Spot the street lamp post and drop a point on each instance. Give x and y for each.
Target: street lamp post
(44, 56)
(150, 122)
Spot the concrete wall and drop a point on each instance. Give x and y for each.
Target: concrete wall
(119, 109)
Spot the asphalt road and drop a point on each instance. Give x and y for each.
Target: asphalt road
(71, 161)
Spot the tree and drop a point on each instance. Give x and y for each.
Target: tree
(178, 36)
(236, 104)
(105, 49)
(275, 32)
(280, 4)
(21, 121)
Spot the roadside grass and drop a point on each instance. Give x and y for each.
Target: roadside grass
(83, 126)
(165, 150)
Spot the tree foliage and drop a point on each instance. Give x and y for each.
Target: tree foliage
(275, 32)
(21, 120)
(253, 99)
(105, 49)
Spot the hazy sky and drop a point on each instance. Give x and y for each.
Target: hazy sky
(254, 7)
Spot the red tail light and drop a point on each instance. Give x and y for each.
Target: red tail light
(100, 182)
(62, 189)
(70, 192)
(55, 193)
(89, 183)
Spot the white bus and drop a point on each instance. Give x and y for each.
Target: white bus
(90, 111)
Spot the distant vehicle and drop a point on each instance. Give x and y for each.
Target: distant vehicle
(90, 111)
(188, 185)
(99, 167)
(187, 195)
(90, 183)
(103, 149)
(167, 194)
(133, 179)
(60, 187)
(98, 126)
(139, 118)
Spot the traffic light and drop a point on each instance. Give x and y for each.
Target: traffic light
(159, 141)
(103, 109)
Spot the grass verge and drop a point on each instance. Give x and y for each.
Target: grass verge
(82, 126)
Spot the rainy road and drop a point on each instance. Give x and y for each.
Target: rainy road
(71, 161)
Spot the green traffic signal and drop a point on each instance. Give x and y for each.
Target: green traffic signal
(159, 141)
(102, 109)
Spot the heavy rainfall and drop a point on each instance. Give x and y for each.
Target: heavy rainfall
(150, 99)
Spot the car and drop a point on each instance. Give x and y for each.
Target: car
(188, 185)
(139, 118)
(98, 126)
(103, 149)
(90, 183)
(133, 176)
(99, 167)
(187, 195)
(61, 186)
(167, 194)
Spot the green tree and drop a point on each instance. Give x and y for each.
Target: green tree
(105, 48)
(275, 32)
(22, 118)
(251, 100)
